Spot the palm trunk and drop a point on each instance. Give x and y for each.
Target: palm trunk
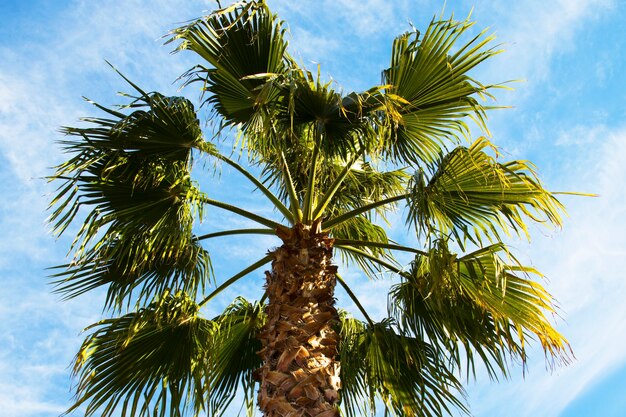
(300, 376)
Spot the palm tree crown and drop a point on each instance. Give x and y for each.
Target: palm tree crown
(333, 165)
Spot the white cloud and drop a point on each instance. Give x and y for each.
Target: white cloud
(534, 32)
(350, 39)
(582, 135)
(344, 17)
(41, 84)
(37, 343)
(584, 264)
(604, 69)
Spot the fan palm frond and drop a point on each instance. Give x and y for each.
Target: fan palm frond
(232, 354)
(188, 271)
(147, 363)
(484, 303)
(134, 172)
(406, 373)
(472, 195)
(429, 92)
(128, 164)
(334, 123)
(245, 46)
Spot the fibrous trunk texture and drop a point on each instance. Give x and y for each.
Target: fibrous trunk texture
(300, 376)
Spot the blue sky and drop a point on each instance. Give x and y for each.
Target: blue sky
(568, 117)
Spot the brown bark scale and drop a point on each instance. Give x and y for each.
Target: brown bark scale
(300, 376)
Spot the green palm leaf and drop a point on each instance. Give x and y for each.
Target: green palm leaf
(147, 363)
(133, 171)
(232, 354)
(319, 114)
(361, 229)
(429, 92)
(245, 46)
(128, 165)
(483, 302)
(186, 270)
(471, 195)
(406, 373)
(364, 184)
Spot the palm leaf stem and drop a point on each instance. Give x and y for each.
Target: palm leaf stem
(335, 185)
(373, 258)
(351, 214)
(235, 278)
(243, 213)
(275, 200)
(291, 189)
(367, 243)
(238, 232)
(310, 192)
(135, 86)
(574, 193)
(263, 298)
(354, 298)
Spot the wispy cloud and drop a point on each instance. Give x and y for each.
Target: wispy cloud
(584, 265)
(38, 340)
(535, 31)
(350, 39)
(41, 83)
(582, 135)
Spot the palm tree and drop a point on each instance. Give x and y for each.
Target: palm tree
(333, 166)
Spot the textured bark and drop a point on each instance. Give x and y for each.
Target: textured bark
(300, 376)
